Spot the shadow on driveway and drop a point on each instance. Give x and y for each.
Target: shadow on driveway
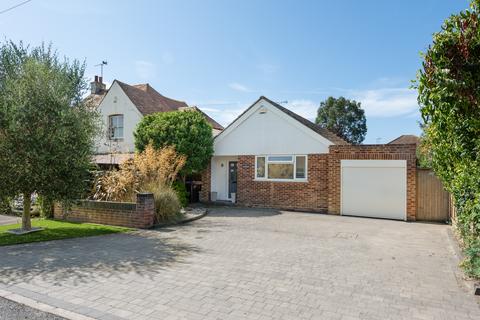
(239, 212)
(82, 259)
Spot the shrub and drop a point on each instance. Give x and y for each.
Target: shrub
(167, 204)
(181, 191)
(157, 167)
(187, 131)
(45, 205)
(449, 103)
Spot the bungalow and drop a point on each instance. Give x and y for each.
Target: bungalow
(271, 157)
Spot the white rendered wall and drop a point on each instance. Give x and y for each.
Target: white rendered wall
(266, 130)
(117, 102)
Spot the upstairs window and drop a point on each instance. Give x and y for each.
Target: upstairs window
(281, 168)
(115, 127)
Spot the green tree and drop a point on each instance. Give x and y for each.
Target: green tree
(46, 130)
(449, 96)
(344, 117)
(187, 131)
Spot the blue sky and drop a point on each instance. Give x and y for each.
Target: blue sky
(222, 55)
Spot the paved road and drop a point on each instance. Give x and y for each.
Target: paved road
(10, 310)
(250, 264)
(8, 219)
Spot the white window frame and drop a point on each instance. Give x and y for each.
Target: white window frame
(110, 132)
(294, 160)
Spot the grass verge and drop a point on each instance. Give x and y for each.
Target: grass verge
(56, 230)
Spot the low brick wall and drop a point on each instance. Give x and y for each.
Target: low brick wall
(125, 214)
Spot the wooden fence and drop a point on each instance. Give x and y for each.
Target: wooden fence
(433, 202)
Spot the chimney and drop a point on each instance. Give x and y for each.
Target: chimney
(97, 86)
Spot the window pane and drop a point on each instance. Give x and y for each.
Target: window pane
(280, 158)
(120, 122)
(260, 167)
(300, 169)
(119, 133)
(280, 170)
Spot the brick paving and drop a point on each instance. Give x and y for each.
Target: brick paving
(249, 264)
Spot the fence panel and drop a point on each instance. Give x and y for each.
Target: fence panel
(433, 202)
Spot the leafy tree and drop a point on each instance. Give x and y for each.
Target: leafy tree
(344, 117)
(46, 130)
(187, 131)
(449, 97)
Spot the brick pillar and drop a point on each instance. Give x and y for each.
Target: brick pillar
(206, 178)
(145, 211)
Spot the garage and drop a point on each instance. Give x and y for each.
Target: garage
(374, 188)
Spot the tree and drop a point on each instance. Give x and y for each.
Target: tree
(46, 130)
(187, 131)
(344, 117)
(449, 97)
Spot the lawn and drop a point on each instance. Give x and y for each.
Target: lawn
(55, 230)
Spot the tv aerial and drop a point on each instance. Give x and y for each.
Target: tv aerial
(103, 63)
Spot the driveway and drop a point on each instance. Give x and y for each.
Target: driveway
(250, 264)
(4, 220)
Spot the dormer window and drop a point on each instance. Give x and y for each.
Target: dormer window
(115, 127)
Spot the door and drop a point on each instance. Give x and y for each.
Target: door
(232, 178)
(374, 188)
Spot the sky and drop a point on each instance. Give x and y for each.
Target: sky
(223, 55)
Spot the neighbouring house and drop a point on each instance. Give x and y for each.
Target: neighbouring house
(271, 157)
(406, 139)
(122, 107)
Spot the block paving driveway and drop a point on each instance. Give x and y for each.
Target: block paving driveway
(250, 264)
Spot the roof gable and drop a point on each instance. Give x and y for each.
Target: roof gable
(323, 132)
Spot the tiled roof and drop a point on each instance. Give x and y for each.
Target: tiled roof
(315, 127)
(148, 100)
(94, 99)
(213, 123)
(406, 139)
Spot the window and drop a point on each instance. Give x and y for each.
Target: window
(115, 127)
(281, 168)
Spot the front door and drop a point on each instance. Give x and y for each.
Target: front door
(232, 178)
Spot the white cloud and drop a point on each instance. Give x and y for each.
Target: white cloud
(239, 87)
(145, 69)
(387, 102)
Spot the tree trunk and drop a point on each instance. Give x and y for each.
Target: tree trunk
(26, 222)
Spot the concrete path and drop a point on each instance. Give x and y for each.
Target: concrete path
(249, 264)
(4, 220)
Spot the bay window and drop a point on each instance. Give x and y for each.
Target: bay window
(281, 168)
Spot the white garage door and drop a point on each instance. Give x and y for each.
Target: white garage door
(374, 188)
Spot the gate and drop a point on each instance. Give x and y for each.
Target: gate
(433, 202)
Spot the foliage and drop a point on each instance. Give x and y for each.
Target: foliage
(424, 154)
(449, 97)
(45, 205)
(187, 131)
(152, 166)
(46, 130)
(167, 204)
(55, 230)
(181, 191)
(5, 205)
(344, 117)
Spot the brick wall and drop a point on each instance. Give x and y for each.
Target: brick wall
(134, 215)
(206, 180)
(311, 195)
(371, 152)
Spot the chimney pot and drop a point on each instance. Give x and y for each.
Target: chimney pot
(96, 78)
(100, 79)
